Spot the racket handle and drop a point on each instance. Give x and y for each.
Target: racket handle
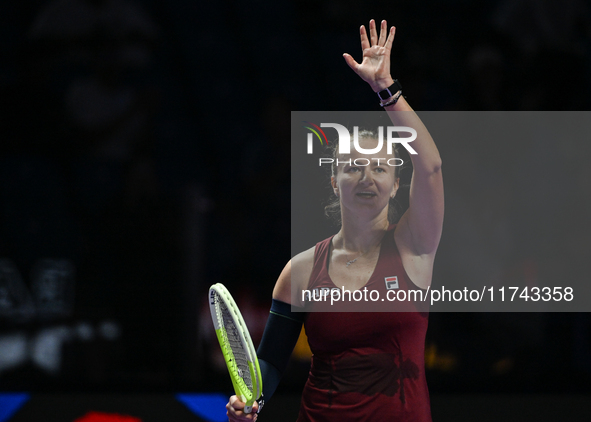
(247, 409)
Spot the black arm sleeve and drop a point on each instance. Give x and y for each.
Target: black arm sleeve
(279, 338)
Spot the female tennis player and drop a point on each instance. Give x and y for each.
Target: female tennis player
(366, 366)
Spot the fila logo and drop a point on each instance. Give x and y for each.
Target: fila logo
(391, 282)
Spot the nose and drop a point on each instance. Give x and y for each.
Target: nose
(366, 178)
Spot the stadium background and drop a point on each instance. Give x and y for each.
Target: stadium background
(144, 155)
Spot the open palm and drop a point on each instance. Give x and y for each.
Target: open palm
(375, 66)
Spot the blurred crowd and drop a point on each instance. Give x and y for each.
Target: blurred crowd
(143, 157)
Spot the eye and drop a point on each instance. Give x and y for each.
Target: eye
(352, 169)
(380, 170)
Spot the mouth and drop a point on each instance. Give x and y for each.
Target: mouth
(366, 194)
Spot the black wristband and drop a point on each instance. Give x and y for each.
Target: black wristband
(392, 100)
(389, 92)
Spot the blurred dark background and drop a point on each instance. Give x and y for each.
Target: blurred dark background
(137, 167)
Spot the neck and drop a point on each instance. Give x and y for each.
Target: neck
(357, 235)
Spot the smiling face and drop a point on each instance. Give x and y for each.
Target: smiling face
(366, 184)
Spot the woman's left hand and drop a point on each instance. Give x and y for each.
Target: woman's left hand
(375, 66)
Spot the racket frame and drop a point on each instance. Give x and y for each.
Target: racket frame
(240, 388)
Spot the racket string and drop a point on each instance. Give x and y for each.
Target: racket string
(234, 342)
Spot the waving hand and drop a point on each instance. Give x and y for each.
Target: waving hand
(375, 66)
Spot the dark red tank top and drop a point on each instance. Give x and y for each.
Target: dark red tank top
(366, 366)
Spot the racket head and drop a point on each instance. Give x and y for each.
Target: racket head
(236, 344)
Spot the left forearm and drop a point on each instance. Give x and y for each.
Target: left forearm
(427, 160)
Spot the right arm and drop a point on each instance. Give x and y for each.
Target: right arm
(281, 332)
(282, 289)
(294, 278)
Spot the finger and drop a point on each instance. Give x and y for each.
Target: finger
(351, 62)
(235, 403)
(373, 35)
(238, 415)
(390, 39)
(232, 414)
(383, 33)
(231, 411)
(364, 40)
(241, 416)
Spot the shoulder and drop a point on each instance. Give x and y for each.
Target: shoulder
(296, 274)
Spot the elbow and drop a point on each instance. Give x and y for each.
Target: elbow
(436, 166)
(432, 167)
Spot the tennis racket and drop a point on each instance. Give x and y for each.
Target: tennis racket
(236, 346)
